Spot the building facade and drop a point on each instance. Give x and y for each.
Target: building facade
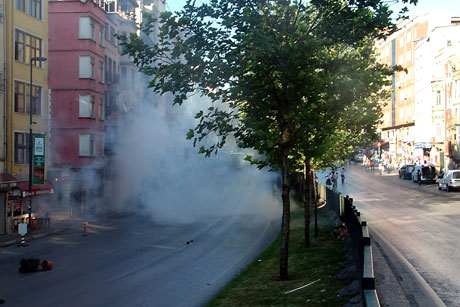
(77, 41)
(25, 96)
(406, 127)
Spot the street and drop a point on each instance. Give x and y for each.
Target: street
(130, 260)
(415, 230)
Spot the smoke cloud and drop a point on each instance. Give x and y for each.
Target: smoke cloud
(161, 174)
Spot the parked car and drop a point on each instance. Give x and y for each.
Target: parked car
(405, 171)
(429, 174)
(359, 157)
(450, 180)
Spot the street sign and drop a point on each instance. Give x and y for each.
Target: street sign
(39, 159)
(22, 229)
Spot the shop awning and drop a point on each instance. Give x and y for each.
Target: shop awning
(37, 189)
(7, 181)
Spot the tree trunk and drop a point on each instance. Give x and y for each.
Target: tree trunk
(300, 182)
(315, 200)
(307, 200)
(285, 225)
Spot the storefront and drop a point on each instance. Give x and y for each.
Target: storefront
(422, 152)
(7, 183)
(17, 207)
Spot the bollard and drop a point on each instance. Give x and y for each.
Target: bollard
(85, 224)
(23, 242)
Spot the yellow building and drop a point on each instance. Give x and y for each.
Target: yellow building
(25, 38)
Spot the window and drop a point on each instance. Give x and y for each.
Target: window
(19, 97)
(107, 32)
(408, 56)
(109, 69)
(101, 35)
(86, 106)
(101, 109)
(114, 72)
(112, 35)
(87, 146)
(408, 37)
(21, 145)
(438, 98)
(86, 28)
(401, 42)
(22, 98)
(123, 77)
(401, 114)
(121, 48)
(34, 8)
(101, 72)
(86, 67)
(133, 78)
(20, 5)
(31, 7)
(27, 46)
(457, 88)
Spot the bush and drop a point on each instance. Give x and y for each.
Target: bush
(29, 265)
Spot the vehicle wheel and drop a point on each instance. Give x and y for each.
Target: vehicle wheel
(448, 189)
(439, 187)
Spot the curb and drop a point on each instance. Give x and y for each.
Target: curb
(49, 233)
(32, 237)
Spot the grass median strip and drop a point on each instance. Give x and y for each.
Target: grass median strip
(312, 272)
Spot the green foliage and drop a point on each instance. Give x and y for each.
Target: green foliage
(294, 79)
(288, 73)
(258, 285)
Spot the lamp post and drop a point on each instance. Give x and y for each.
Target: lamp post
(33, 59)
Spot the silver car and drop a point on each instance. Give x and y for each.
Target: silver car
(450, 180)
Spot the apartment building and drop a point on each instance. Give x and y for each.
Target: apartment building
(438, 91)
(77, 40)
(399, 136)
(24, 92)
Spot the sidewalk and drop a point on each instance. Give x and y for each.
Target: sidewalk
(59, 222)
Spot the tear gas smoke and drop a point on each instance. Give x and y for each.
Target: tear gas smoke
(161, 174)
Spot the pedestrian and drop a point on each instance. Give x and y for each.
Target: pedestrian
(381, 168)
(335, 176)
(419, 178)
(342, 174)
(328, 180)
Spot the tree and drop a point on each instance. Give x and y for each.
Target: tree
(269, 61)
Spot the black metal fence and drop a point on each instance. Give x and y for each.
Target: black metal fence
(360, 240)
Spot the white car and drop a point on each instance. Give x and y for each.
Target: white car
(359, 157)
(450, 180)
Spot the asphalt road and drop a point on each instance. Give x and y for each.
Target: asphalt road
(415, 237)
(128, 260)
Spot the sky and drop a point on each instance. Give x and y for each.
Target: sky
(424, 6)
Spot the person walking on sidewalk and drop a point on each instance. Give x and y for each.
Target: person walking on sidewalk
(419, 178)
(335, 177)
(342, 174)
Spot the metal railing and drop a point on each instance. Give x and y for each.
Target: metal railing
(360, 240)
